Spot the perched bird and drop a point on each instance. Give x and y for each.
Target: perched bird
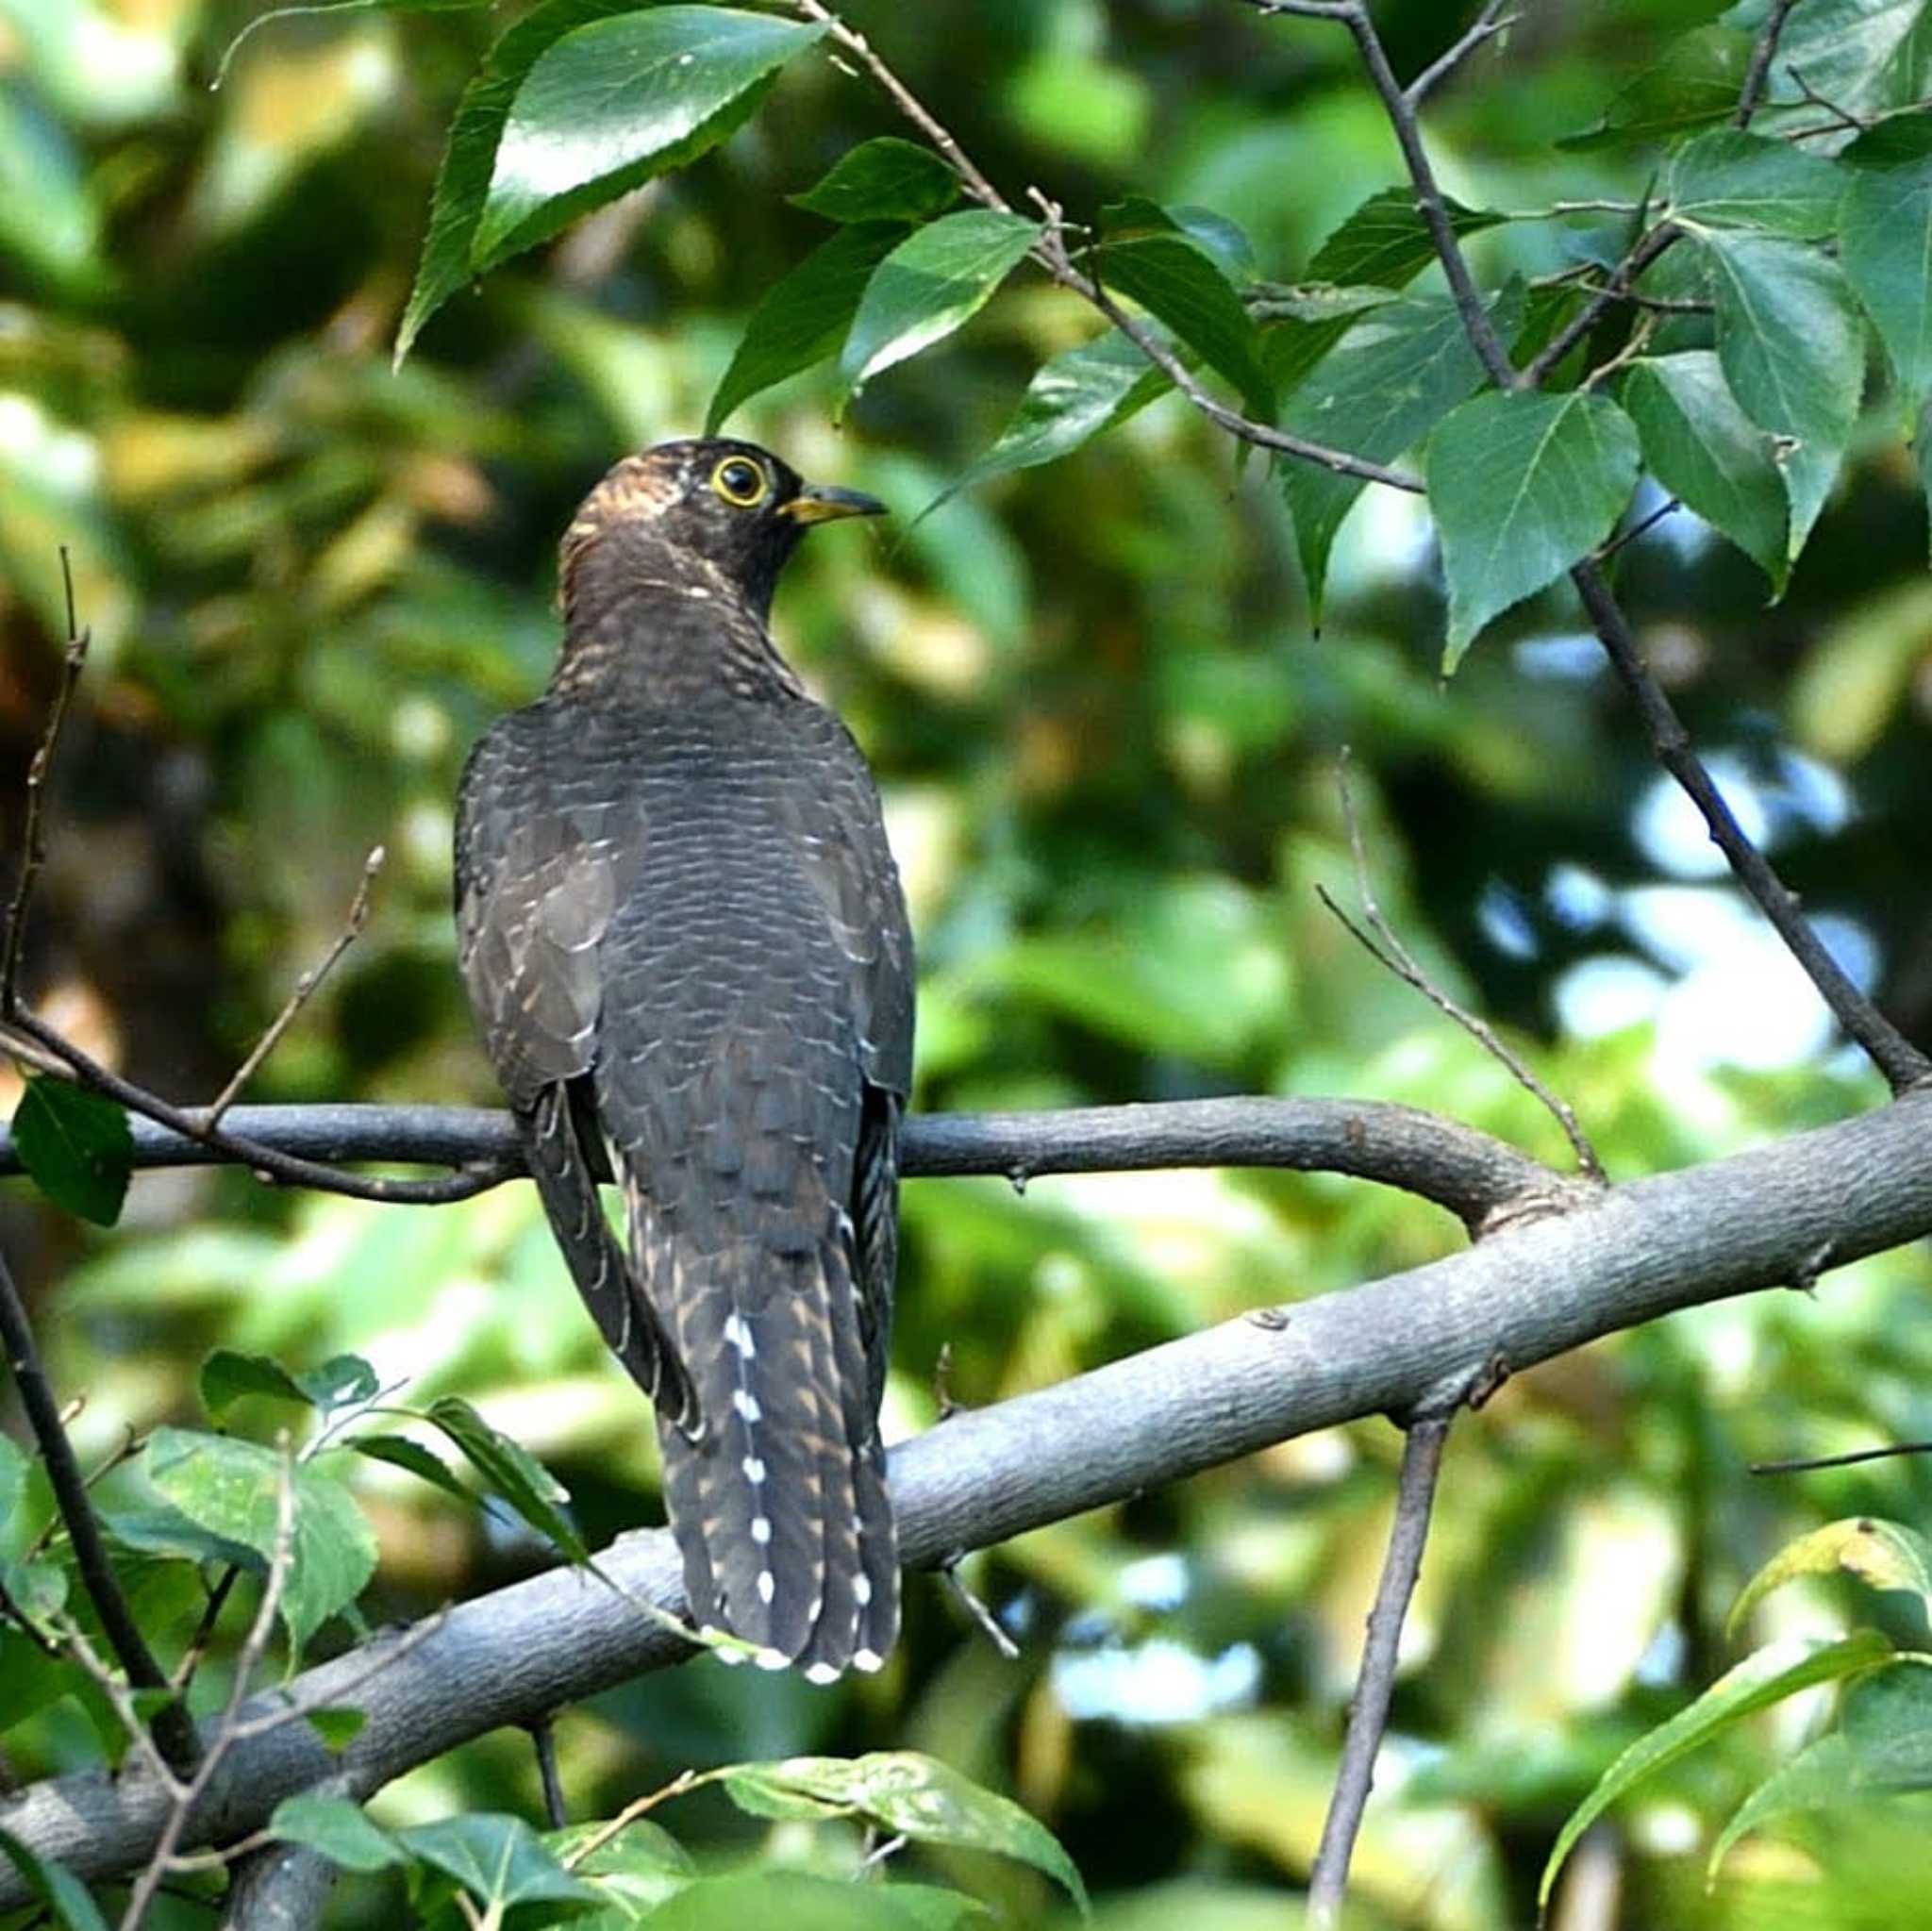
(683, 936)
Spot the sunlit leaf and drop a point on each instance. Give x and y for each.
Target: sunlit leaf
(58, 1888)
(1703, 448)
(513, 1473)
(1729, 179)
(498, 1859)
(1524, 485)
(1770, 1674)
(803, 318)
(1697, 82)
(614, 101)
(1398, 372)
(227, 1375)
(904, 1792)
(1072, 398)
(1885, 1555)
(233, 1489)
(930, 284)
(1387, 242)
(1853, 53)
(78, 1147)
(883, 180)
(340, 1830)
(1794, 352)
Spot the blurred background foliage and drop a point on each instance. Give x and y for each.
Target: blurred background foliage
(1108, 741)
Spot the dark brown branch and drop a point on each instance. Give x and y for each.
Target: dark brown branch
(1368, 1711)
(1901, 1063)
(1471, 1173)
(173, 1733)
(1757, 75)
(1537, 1289)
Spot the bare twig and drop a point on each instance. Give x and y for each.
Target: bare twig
(305, 990)
(543, 1741)
(1843, 120)
(230, 1727)
(1641, 528)
(684, 1780)
(34, 842)
(1386, 945)
(1895, 1057)
(1757, 75)
(1804, 1464)
(1536, 370)
(1487, 24)
(982, 1617)
(205, 1628)
(173, 1733)
(1368, 1714)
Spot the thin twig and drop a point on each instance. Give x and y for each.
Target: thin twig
(1843, 120)
(131, 1443)
(1487, 24)
(205, 1629)
(1050, 252)
(173, 1733)
(1644, 523)
(1536, 370)
(1757, 75)
(12, 1612)
(1386, 946)
(230, 1727)
(305, 990)
(1895, 1057)
(543, 1741)
(1368, 1714)
(34, 842)
(684, 1780)
(982, 1617)
(1804, 1464)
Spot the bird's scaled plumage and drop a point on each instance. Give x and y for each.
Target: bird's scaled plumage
(682, 932)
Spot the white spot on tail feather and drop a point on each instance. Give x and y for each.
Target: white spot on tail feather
(820, 1673)
(747, 1405)
(768, 1588)
(868, 1659)
(862, 1589)
(761, 1532)
(754, 1468)
(771, 1659)
(738, 1332)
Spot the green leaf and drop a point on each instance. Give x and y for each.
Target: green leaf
(513, 1473)
(77, 1145)
(1387, 242)
(1702, 447)
(1300, 326)
(1885, 244)
(340, 1830)
(883, 180)
(1921, 449)
(166, 1532)
(227, 1376)
(314, 7)
(905, 1792)
(1885, 1555)
(1888, 1724)
(1794, 352)
(616, 102)
(336, 1728)
(1524, 485)
(233, 1489)
(14, 1466)
(498, 1859)
(803, 318)
(400, 1452)
(1074, 398)
(37, 1589)
(1170, 276)
(1697, 81)
(1399, 371)
(1853, 53)
(632, 1873)
(1728, 178)
(470, 155)
(790, 1900)
(928, 285)
(1779, 1670)
(55, 1886)
(1821, 1777)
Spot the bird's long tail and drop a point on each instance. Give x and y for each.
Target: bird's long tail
(778, 1496)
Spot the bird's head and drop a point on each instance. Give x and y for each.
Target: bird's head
(710, 509)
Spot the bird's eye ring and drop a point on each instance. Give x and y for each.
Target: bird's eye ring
(741, 481)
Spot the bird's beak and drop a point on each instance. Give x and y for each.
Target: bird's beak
(820, 503)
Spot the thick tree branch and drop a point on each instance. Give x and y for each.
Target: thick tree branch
(1473, 1174)
(1536, 1289)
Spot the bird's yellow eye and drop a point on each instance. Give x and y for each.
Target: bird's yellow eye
(741, 481)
